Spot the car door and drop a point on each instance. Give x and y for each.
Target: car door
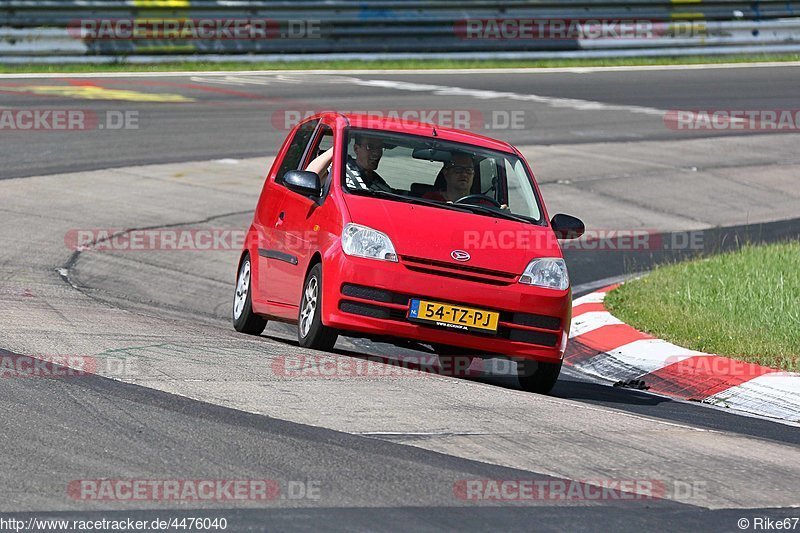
(271, 260)
(295, 233)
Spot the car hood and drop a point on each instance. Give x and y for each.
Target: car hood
(433, 233)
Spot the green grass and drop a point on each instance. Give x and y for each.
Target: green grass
(743, 304)
(395, 64)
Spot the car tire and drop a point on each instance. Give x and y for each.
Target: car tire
(244, 319)
(537, 377)
(311, 332)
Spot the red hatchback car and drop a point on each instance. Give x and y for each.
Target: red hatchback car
(393, 229)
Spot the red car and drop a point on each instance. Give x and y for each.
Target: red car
(386, 229)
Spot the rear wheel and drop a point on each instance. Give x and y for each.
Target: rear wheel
(244, 319)
(311, 332)
(538, 377)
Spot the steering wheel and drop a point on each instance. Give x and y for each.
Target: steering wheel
(478, 199)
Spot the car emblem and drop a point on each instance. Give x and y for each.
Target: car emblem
(460, 255)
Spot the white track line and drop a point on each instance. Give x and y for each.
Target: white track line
(480, 94)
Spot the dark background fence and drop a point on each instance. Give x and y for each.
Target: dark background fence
(50, 30)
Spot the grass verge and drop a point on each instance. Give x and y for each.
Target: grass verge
(743, 304)
(430, 64)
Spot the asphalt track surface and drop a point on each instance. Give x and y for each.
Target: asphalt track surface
(392, 461)
(239, 116)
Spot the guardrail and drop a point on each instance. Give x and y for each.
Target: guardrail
(71, 30)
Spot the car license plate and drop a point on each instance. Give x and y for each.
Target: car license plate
(453, 316)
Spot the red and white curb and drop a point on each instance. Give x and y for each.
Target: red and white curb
(604, 346)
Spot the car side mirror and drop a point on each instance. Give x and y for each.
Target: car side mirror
(303, 182)
(567, 227)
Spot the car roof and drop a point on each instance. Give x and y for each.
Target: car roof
(413, 127)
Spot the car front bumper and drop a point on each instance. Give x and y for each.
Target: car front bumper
(371, 297)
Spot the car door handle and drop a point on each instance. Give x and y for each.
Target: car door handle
(281, 215)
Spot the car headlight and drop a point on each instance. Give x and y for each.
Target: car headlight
(362, 241)
(550, 272)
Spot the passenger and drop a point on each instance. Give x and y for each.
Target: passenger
(458, 175)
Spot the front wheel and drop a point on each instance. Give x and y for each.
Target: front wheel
(538, 377)
(244, 319)
(311, 332)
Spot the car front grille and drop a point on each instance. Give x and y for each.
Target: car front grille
(451, 270)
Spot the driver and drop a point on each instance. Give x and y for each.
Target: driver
(458, 175)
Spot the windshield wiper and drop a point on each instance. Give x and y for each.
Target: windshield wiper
(497, 212)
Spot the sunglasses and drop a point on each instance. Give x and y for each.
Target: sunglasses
(461, 169)
(372, 147)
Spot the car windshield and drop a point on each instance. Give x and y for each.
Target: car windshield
(444, 174)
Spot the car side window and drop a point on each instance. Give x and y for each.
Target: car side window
(291, 161)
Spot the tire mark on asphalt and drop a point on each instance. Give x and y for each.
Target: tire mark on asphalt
(64, 271)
